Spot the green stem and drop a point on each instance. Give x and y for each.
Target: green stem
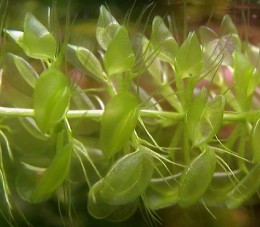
(174, 116)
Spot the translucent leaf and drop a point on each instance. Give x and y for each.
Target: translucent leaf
(221, 50)
(189, 58)
(203, 118)
(227, 26)
(51, 99)
(12, 75)
(54, 175)
(17, 36)
(155, 200)
(89, 61)
(29, 124)
(118, 122)
(128, 178)
(119, 56)
(107, 27)
(206, 34)
(152, 61)
(255, 142)
(162, 40)
(162, 192)
(221, 184)
(247, 187)
(246, 78)
(123, 212)
(137, 45)
(26, 180)
(253, 83)
(196, 178)
(253, 54)
(38, 42)
(101, 210)
(96, 206)
(25, 69)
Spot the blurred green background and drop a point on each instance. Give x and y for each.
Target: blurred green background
(185, 13)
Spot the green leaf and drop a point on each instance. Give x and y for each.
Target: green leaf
(220, 50)
(54, 175)
(119, 56)
(162, 41)
(128, 178)
(162, 192)
(96, 205)
(221, 184)
(189, 58)
(203, 118)
(102, 210)
(253, 54)
(37, 41)
(89, 61)
(25, 69)
(206, 34)
(30, 126)
(247, 187)
(107, 27)
(152, 61)
(246, 79)
(196, 178)
(51, 99)
(17, 36)
(118, 122)
(123, 212)
(253, 83)
(227, 26)
(26, 180)
(255, 141)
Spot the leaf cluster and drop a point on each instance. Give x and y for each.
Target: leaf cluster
(133, 151)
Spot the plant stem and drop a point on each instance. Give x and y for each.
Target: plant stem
(174, 116)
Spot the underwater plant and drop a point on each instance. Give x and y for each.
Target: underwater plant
(167, 123)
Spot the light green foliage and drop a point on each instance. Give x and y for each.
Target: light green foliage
(119, 56)
(162, 192)
(36, 41)
(96, 205)
(88, 60)
(134, 171)
(25, 69)
(255, 142)
(100, 209)
(162, 41)
(118, 122)
(107, 27)
(196, 178)
(158, 124)
(227, 26)
(221, 184)
(245, 188)
(246, 79)
(204, 117)
(36, 185)
(51, 99)
(189, 58)
(54, 175)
